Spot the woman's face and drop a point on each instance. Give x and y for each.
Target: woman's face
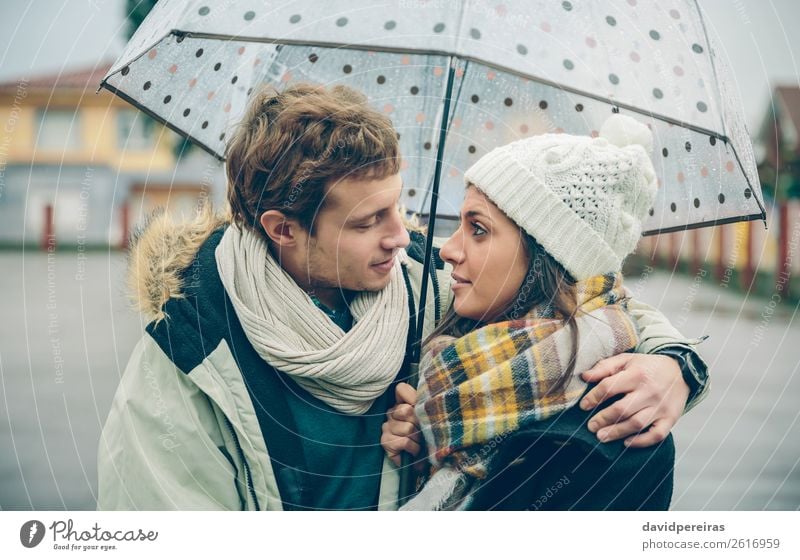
(488, 257)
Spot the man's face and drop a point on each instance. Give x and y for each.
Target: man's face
(357, 235)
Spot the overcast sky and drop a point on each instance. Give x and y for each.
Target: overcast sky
(759, 37)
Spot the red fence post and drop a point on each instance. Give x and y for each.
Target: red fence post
(125, 225)
(783, 268)
(719, 270)
(48, 239)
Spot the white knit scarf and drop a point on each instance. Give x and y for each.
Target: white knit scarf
(347, 370)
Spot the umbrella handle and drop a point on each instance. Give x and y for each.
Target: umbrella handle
(408, 478)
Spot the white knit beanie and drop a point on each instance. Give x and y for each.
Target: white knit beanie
(583, 199)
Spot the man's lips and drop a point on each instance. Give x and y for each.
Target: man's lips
(384, 266)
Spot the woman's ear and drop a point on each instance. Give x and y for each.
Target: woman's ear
(279, 228)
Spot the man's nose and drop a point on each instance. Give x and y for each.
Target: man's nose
(399, 238)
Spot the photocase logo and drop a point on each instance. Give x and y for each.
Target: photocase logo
(31, 533)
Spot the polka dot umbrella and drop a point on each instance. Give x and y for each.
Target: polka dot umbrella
(459, 78)
(515, 68)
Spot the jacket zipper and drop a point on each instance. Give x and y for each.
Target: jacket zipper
(247, 477)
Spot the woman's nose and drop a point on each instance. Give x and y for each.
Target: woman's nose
(452, 251)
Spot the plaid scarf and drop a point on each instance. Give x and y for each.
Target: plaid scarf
(476, 390)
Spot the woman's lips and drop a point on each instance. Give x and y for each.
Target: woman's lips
(459, 282)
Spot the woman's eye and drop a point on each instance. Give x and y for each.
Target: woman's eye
(477, 230)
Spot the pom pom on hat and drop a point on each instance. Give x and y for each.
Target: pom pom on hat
(622, 130)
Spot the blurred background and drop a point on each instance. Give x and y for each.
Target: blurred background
(79, 170)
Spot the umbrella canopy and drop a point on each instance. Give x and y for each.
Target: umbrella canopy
(521, 67)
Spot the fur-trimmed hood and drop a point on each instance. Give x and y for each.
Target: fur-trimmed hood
(160, 251)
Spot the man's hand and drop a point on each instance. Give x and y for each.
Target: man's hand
(401, 429)
(655, 397)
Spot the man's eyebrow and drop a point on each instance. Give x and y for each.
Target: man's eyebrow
(368, 215)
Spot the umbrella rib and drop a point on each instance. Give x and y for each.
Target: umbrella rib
(749, 184)
(720, 222)
(124, 96)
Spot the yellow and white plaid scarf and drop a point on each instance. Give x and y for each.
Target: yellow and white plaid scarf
(476, 390)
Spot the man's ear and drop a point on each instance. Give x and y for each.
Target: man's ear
(280, 229)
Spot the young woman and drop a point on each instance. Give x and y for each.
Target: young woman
(545, 226)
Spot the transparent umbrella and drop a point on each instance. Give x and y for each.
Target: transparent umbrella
(459, 78)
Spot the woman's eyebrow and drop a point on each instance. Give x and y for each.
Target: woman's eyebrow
(477, 213)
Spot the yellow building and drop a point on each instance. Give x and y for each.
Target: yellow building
(82, 166)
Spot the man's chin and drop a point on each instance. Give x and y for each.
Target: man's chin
(375, 284)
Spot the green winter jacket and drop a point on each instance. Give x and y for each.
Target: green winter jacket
(184, 433)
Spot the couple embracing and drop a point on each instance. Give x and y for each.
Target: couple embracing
(279, 333)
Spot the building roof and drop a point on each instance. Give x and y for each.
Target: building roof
(78, 79)
(789, 98)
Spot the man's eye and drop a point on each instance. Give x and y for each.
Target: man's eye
(477, 230)
(367, 225)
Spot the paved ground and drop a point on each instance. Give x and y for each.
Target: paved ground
(68, 331)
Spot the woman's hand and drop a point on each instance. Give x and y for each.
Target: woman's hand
(655, 397)
(401, 429)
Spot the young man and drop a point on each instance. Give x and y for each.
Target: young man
(277, 336)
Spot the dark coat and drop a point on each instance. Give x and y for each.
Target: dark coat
(558, 464)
